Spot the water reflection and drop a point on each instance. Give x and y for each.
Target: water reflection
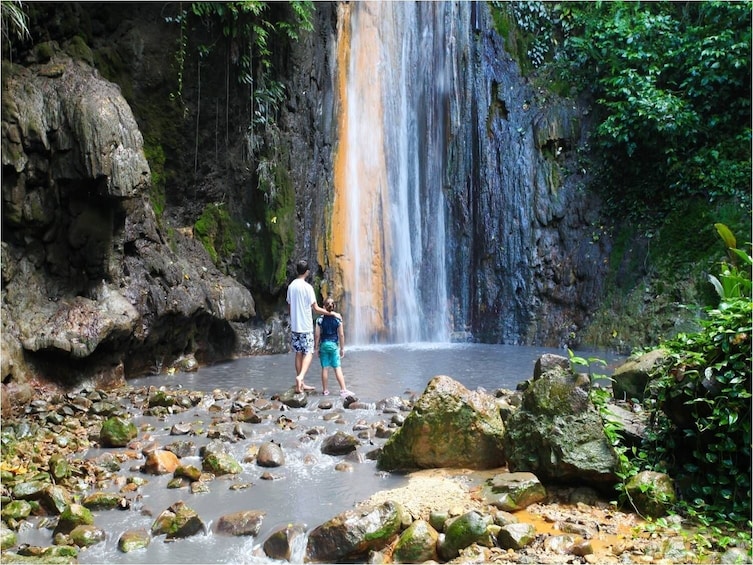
(375, 372)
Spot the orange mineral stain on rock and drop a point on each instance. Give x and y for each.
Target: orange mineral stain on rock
(359, 223)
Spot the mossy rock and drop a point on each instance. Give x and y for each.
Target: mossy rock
(417, 544)
(117, 432)
(462, 532)
(652, 493)
(133, 540)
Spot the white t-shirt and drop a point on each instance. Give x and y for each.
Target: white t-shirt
(300, 297)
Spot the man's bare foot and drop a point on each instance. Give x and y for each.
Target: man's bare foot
(299, 385)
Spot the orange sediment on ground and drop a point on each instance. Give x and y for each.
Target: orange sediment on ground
(609, 530)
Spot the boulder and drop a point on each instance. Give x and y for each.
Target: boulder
(242, 523)
(160, 462)
(8, 537)
(221, 464)
(190, 472)
(351, 535)
(283, 543)
(16, 510)
(513, 491)
(117, 432)
(463, 531)
(87, 535)
(294, 399)
(101, 500)
(178, 521)
(270, 455)
(449, 426)
(652, 493)
(417, 544)
(132, 540)
(339, 443)
(630, 379)
(55, 498)
(558, 434)
(74, 515)
(516, 536)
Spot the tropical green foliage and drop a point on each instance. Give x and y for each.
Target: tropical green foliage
(705, 391)
(673, 82)
(14, 20)
(14, 23)
(699, 400)
(245, 30)
(733, 281)
(700, 432)
(672, 86)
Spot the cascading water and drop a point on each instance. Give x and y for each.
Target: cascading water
(388, 226)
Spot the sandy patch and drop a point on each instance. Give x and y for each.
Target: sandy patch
(428, 491)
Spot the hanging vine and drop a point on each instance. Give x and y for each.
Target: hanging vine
(246, 30)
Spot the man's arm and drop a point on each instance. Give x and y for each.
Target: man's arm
(319, 310)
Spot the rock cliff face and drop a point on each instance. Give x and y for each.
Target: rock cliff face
(528, 251)
(106, 265)
(90, 288)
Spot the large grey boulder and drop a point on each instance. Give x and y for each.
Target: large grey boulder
(92, 286)
(558, 434)
(449, 426)
(351, 535)
(630, 379)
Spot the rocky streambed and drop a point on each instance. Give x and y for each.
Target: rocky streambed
(70, 460)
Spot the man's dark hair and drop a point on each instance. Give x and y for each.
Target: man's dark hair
(302, 266)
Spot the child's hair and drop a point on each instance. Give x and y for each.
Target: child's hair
(329, 302)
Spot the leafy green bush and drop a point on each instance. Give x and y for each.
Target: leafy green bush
(671, 83)
(702, 434)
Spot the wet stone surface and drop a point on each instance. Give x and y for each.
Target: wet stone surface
(52, 464)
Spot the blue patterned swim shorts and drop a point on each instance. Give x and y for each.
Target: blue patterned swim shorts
(302, 342)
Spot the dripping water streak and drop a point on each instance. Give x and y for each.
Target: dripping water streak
(394, 272)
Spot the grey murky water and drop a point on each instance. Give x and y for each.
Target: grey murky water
(309, 489)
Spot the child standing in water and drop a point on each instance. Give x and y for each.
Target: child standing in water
(329, 340)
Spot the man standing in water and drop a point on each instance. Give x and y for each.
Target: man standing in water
(301, 300)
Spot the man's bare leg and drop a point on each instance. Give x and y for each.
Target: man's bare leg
(305, 363)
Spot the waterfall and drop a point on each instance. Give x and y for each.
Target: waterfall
(387, 246)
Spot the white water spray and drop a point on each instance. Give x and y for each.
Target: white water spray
(391, 172)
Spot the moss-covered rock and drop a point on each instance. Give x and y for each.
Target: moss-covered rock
(353, 534)
(178, 521)
(513, 491)
(221, 464)
(87, 535)
(558, 433)
(8, 537)
(462, 532)
(117, 432)
(16, 510)
(417, 544)
(516, 536)
(133, 540)
(652, 493)
(449, 426)
(74, 515)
